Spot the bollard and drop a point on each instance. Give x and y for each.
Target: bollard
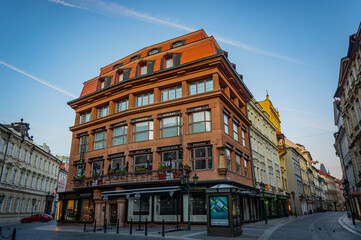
(95, 225)
(163, 228)
(146, 227)
(105, 226)
(118, 226)
(85, 226)
(13, 235)
(131, 226)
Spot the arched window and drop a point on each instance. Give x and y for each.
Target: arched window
(135, 58)
(154, 51)
(178, 44)
(117, 65)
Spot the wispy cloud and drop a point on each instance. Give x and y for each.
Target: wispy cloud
(300, 111)
(37, 79)
(316, 124)
(109, 8)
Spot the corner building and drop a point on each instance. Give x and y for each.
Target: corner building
(171, 109)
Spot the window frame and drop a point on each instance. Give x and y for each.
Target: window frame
(165, 93)
(208, 159)
(162, 128)
(121, 136)
(119, 105)
(175, 163)
(102, 111)
(225, 122)
(192, 123)
(199, 83)
(150, 96)
(85, 117)
(149, 158)
(103, 140)
(150, 136)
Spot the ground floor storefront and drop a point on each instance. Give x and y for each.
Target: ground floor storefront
(273, 205)
(152, 203)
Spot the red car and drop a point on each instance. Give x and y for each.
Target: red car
(37, 218)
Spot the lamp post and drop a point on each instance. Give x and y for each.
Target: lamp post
(294, 203)
(186, 186)
(262, 185)
(33, 202)
(346, 187)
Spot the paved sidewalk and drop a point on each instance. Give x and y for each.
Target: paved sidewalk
(347, 224)
(251, 231)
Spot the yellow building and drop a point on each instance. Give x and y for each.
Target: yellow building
(274, 116)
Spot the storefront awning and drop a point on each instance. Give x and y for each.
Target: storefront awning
(148, 191)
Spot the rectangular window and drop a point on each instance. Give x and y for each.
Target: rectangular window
(103, 111)
(79, 170)
(244, 139)
(201, 86)
(143, 70)
(143, 131)
(229, 163)
(83, 143)
(245, 167)
(169, 63)
(122, 105)
(85, 117)
(119, 135)
(100, 139)
(143, 162)
(167, 205)
(97, 168)
(235, 131)
(10, 150)
(201, 158)
(2, 146)
(145, 99)
(225, 121)
(120, 78)
(200, 122)
(174, 159)
(238, 164)
(169, 127)
(171, 93)
(141, 206)
(199, 204)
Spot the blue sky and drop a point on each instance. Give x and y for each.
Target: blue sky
(290, 48)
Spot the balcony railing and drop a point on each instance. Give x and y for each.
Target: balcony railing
(143, 176)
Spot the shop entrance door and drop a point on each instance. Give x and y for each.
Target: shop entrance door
(113, 214)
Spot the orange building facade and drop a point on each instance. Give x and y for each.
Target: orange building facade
(172, 109)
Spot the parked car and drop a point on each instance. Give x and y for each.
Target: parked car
(37, 218)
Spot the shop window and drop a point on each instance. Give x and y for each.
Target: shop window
(143, 162)
(201, 158)
(122, 105)
(144, 99)
(143, 131)
(169, 127)
(71, 210)
(141, 206)
(200, 122)
(201, 86)
(100, 139)
(171, 93)
(199, 204)
(119, 135)
(168, 205)
(172, 158)
(87, 212)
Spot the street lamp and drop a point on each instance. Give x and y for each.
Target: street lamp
(346, 187)
(294, 203)
(33, 202)
(186, 186)
(262, 185)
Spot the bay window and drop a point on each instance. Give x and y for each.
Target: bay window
(169, 127)
(201, 158)
(100, 139)
(200, 122)
(143, 131)
(144, 99)
(201, 86)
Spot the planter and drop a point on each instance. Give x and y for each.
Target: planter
(177, 175)
(162, 176)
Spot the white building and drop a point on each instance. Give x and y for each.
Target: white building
(28, 174)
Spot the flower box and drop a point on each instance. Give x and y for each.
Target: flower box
(187, 167)
(177, 175)
(140, 170)
(163, 167)
(95, 175)
(162, 176)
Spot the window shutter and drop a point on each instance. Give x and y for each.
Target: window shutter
(150, 66)
(162, 63)
(126, 73)
(176, 59)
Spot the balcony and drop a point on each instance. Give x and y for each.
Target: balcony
(133, 177)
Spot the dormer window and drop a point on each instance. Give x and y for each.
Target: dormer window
(117, 65)
(120, 77)
(104, 82)
(143, 70)
(135, 58)
(145, 67)
(178, 44)
(154, 51)
(169, 62)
